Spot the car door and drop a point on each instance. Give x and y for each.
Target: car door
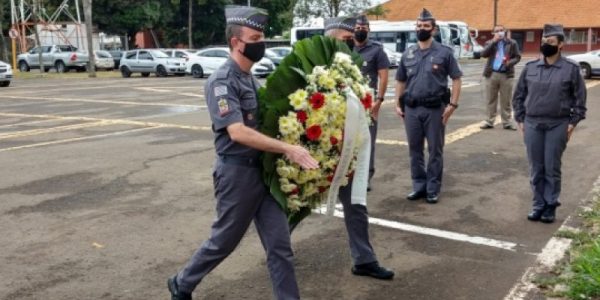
(33, 58)
(145, 62)
(596, 62)
(48, 55)
(213, 62)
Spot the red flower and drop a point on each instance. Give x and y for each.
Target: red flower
(333, 140)
(295, 191)
(322, 189)
(330, 178)
(313, 132)
(367, 101)
(301, 116)
(317, 100)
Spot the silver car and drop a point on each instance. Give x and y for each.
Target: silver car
(148, 61)
(6, 74)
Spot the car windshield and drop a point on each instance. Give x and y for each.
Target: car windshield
(103, 54)
(270, 53)
(159, 54)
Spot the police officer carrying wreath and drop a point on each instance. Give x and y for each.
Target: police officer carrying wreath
(239, 189)
(548, 103)
(426, 104)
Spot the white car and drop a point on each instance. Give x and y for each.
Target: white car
(589, 62)
(104, 60)
(394, 57)
(148, 61)
(6, 74)
(281, 51)
(217, 56)
(199, 66)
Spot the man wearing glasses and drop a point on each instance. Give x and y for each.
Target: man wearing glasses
(426, 104)
(502, 54)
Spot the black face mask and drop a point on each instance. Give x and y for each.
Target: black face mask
(423, 35)
(548, 50)
(254, 51)
(361, 35)
(350, 43)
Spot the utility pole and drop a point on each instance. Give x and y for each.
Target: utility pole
(190, 7)
(249, 3)
(87, 14)
(34, 15)
(495, 13)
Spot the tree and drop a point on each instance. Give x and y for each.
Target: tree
(377, 11)
(3, 47)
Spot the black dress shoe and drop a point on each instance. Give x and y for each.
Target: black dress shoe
(416, 195)
(535, 214)
(174, 289)
(373, 270)
(549, 214)
(432, 198)
(369, 188)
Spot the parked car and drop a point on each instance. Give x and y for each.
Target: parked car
(179, 53)
(589, 62)
(116, 55)
(200, 66)
(394, 57)
(104, 61)
(148, 61)
(281, 51)
(61, 57)
(273, 56)
(219, 55)
(477, 48)
(6, 74)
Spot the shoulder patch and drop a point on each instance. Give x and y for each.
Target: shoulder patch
(223, 106)
(220, 90)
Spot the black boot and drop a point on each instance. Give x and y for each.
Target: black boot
(549, 214)
(373, 270)
(174, 290)
(535, 214)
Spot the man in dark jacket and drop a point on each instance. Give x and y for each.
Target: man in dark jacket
(502, 55)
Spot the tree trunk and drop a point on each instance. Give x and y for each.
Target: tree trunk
(3, 47)
(190, 41)
(87, 11)
(37, 35)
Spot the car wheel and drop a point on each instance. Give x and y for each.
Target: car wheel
(145, 74)
(586, 71)
(161, 71)
(4, 83)
(60, 67)
(197, 71)
(23, 66)
(125, 72)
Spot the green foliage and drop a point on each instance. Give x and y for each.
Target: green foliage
(274, 103)
(585, 283)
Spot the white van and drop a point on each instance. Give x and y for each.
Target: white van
(462, 32)
(399, 35)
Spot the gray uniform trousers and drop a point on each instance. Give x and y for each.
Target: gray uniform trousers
(373, 130)
(357, 225)
(422, 124)
(545, 143)
(242, 197)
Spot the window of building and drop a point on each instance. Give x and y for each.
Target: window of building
(530, 37)
(580, 36)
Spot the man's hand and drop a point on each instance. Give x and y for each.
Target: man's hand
(399, 112)
(301, 156)
(521, 127)
(570, 131)
(447, 113)
(375, 110)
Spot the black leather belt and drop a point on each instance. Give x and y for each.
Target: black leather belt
(240, 161)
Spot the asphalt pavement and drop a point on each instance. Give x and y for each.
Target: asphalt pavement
(106, 191)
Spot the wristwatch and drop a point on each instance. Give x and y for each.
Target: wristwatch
(453, 105)
(380, 99)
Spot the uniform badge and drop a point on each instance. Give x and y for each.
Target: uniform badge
(365, 63)
(411, 54)
(223, 106)
(250, 117)
(435, 67)
(220, 90)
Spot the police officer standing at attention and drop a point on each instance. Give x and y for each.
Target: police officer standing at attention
(549, 102)
(425, 104)
(231, 95)
(375, 67)
(502, 54)
(355, 215)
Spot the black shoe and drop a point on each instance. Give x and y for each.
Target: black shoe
(549, 214)
(373, 270)
(535, 214)
(416, 195)
(174, 289)
(432, 198)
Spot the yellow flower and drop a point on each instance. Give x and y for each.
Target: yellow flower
(298, 99)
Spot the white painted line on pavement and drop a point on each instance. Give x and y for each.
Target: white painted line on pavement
(591, 84)
(449, 235)
(26, 123)
(104, 101)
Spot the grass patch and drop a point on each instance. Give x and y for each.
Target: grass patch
(35, 74)
(580, 273)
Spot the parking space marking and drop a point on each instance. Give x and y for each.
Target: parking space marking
(149, 89)
(111, 121)
(25, 123)
(76, 139)
(449, 235)
(392, 142)
(32, 132)
(591, 84)
(199, 107)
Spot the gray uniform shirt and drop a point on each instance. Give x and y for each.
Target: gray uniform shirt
(426, 71)
(549, 92)
(374, 59)
(231, 98)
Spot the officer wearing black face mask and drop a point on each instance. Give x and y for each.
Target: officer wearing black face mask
(375, 67)
(242, 196)
(425, 104)
(548, 103)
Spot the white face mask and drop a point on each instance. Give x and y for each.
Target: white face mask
(501, 34)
